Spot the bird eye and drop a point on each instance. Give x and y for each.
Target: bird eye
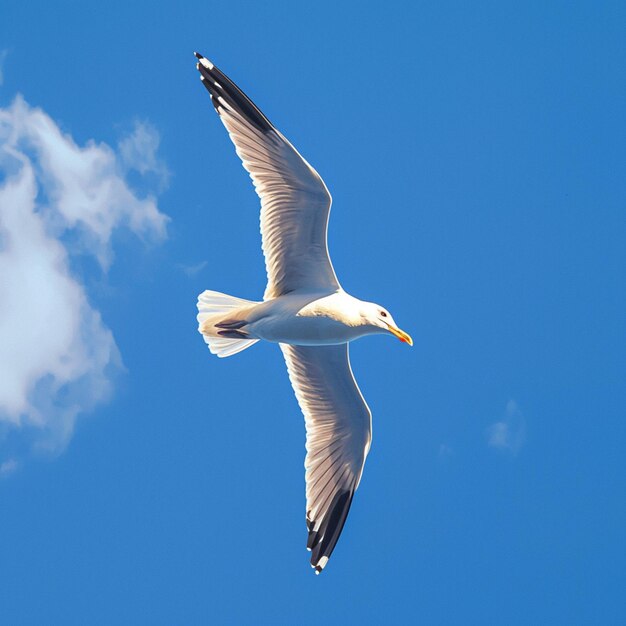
(383, 314)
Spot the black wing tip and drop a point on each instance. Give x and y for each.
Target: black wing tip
(205, 62)
(322, 542)
(221, 87)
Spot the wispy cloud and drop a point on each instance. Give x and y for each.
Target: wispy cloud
(192, 270)
(8, 467)
(138, 151)
(57, 357)
(509, 434)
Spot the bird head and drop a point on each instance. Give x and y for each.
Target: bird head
(378, 317)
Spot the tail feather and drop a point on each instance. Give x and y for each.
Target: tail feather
(223, 347)
(217, 311)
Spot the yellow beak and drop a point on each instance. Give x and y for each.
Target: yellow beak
(401, 335)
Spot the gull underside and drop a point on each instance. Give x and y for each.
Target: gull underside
(304, 310)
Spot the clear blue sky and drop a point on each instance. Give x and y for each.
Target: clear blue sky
(476, 157)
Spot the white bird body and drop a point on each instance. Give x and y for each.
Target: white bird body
(304, 310)
(307, 319)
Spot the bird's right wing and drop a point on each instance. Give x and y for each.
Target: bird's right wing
(339, 433)
(295, 203)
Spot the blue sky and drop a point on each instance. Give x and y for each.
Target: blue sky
(476, 159)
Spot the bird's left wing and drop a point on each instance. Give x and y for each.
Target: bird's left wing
(295, 203)
(339, 433)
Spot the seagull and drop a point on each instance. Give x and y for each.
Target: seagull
(304, 310)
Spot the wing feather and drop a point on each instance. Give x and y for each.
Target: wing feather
(339, 433)
(295, 203)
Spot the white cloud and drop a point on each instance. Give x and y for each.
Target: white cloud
(138, 151)
(57, 357)
(508, 434)
(84, 186)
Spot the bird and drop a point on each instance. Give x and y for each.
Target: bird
(304, 310)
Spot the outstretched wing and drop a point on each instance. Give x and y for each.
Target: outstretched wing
(339, 433)
(295, 203)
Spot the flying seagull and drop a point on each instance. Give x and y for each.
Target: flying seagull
(304, 310)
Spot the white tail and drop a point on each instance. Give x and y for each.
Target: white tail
(213, 307)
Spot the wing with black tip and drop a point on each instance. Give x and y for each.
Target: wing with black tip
(339, 433)
(295, 203)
